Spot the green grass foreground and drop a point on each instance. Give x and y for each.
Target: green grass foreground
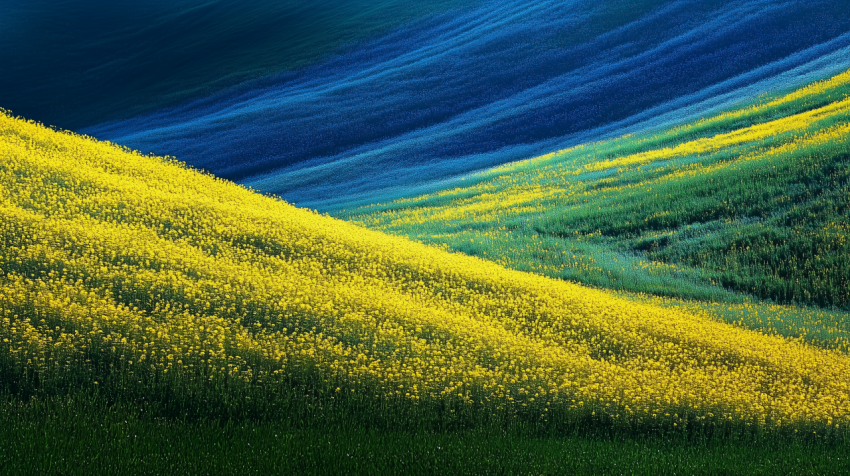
(82, 436)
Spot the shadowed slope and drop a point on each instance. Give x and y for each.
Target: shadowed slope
(491, 84)
(75, 64)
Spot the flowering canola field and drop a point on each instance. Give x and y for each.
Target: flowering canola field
(127, 270)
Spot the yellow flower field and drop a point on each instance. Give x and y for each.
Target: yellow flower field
(111, 259)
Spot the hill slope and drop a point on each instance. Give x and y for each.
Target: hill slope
(481, 85)
(753, 200)
(137, 278)
(76, 64)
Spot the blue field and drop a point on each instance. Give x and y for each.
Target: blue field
(333, 103)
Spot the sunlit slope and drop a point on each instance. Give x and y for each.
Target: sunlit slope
(130, 273)
(756, 200)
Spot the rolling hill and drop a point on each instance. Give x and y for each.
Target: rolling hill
(449, 237)
(749, 202)
(425, 99)
(134, 277)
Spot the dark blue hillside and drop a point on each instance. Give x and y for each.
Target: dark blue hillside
(489, 82)
(76, 63)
